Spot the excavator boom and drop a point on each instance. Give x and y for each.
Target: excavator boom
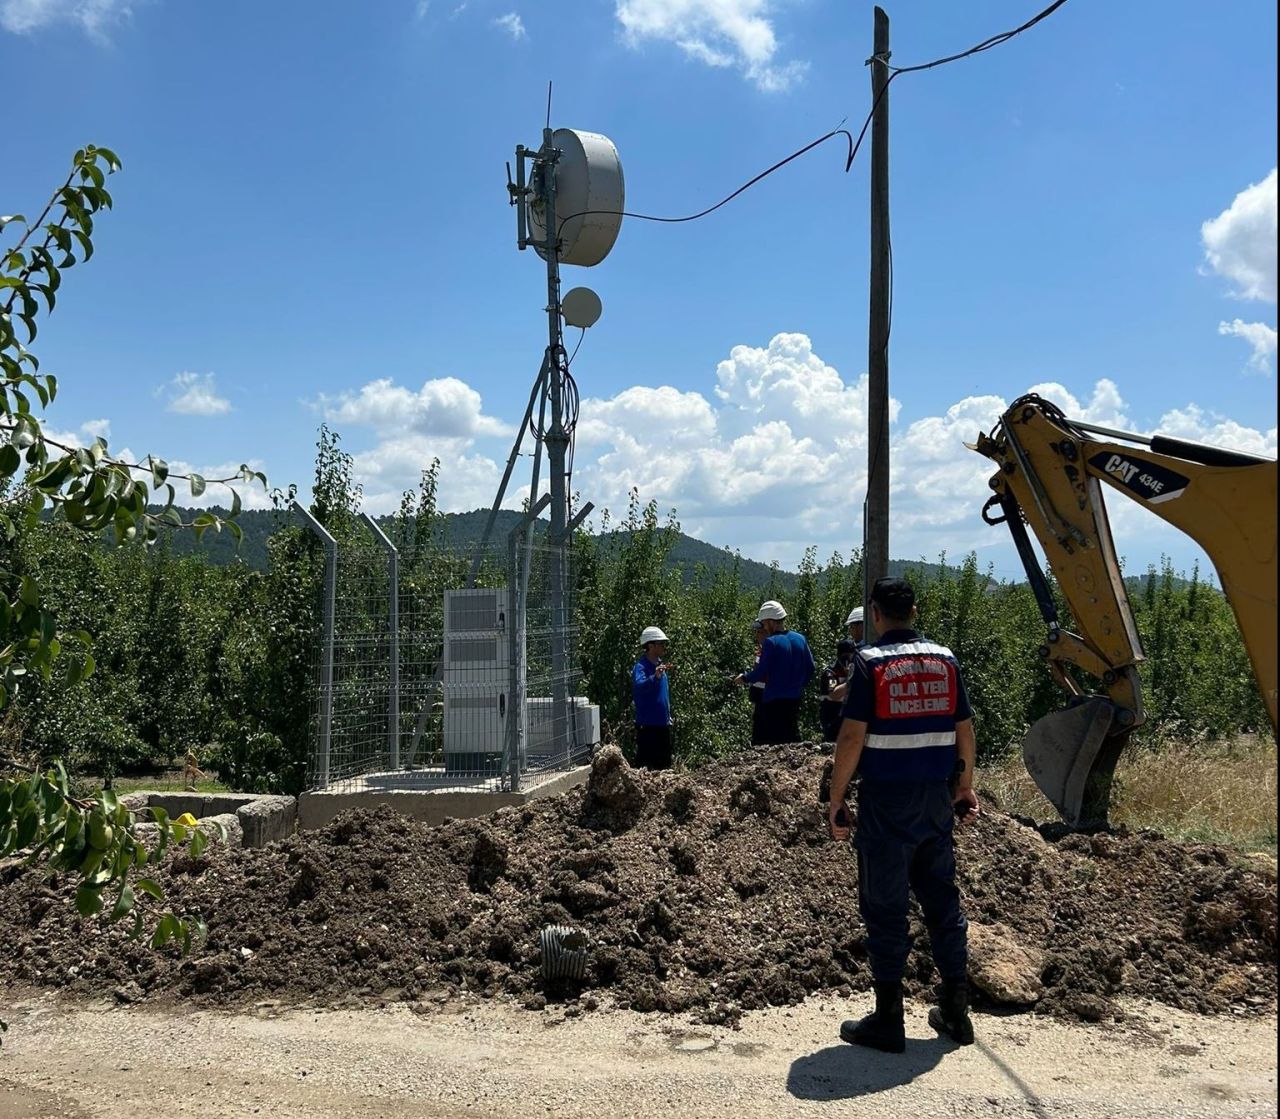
(1051, 478)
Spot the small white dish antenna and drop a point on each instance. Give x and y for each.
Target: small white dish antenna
(581, 307)
(589, 198)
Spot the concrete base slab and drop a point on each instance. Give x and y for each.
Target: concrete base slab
(430, 806)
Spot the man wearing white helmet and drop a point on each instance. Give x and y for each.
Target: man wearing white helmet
(786, 667)
(653, 702)
(855, 625)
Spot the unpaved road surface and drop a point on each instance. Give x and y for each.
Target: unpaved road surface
(91, 1061)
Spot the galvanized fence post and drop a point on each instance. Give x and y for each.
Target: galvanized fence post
(393, 653)
(326, 639)
(517, 595)
(515, 626)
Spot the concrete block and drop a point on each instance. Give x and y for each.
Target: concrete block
(215, 803)
(267, 819)
(135, 802)
(175, 804)
(231, 826)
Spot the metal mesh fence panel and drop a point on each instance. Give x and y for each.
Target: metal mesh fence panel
(436, 685)
(558, 727)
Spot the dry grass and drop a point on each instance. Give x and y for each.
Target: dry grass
(1208, 792)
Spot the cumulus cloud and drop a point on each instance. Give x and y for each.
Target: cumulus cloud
(1261, 339)
(1194, 423)
(468, 480)
(721, 33)
(94, 17)
(82, 436)
(445, 406)
(1240, 243)
(512, 24)
(252, 496)
(443, 419)
(768, 457)
(194, 394)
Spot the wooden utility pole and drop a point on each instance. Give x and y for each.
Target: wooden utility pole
(875, 555)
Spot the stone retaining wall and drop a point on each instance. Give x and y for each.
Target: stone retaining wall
(249, 821)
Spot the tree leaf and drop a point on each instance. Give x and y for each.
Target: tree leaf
(88, 900)
(124, 903)
(150, 887)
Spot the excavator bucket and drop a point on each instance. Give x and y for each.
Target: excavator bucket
(1071, 755)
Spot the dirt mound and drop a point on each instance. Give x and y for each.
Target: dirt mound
(715, 892)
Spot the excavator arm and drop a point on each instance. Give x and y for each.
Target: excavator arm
(1050, 482)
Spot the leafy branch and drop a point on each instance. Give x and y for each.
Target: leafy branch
(87, 486)
(95, 838)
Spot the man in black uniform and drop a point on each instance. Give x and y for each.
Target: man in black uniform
(908, 732)
(831, 692)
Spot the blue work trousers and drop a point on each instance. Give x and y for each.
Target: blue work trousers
(904, 842)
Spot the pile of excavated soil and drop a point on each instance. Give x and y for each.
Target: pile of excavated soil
(714, 892)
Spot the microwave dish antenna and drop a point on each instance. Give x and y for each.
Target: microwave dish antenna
(581, 307)
(589, 194)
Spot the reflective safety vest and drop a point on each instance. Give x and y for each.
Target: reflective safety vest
(909, 692)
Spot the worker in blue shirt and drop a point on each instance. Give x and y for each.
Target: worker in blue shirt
(653, 702)
(786, 667)
(908, 733)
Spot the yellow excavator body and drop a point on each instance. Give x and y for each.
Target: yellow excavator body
(1050, 480)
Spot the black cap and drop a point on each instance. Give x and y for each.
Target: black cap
(845, 649)
(895, 597)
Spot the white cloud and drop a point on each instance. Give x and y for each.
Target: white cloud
(252, 494)
(85, 434)
(467, 481)
(442, 419)
(769, 457)
(1199, 426)
(92, 16)
(718, 33)
(194, 394)
(445, 406)
(1240, 243)
(1261, 338)
(512, 24)
(422, 8)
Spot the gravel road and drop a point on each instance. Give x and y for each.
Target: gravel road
(93, 1061)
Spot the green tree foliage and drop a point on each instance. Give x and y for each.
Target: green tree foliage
(88, 490)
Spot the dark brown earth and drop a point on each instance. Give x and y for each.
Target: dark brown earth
(714, 892)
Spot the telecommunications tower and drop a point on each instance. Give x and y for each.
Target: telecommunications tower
(568, 196)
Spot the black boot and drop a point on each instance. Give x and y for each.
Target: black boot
(951, 1015)
(883, 1028)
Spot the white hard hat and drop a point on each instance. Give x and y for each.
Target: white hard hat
(855, 615)
(771, 611)
(652, 633)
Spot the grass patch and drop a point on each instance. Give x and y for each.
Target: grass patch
(169, 782)
(1222, 792)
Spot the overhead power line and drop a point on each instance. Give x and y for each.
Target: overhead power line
(854, 144)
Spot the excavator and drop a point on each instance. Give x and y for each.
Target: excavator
(1050, 482)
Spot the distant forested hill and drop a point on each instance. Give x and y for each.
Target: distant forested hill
(462, 530)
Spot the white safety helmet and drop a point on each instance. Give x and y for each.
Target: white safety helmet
(771, 611)
(855, 616)
(652, 633)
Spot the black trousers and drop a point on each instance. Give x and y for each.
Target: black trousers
(653, 747)
(904, 843)
(830, 715)
(779, 721)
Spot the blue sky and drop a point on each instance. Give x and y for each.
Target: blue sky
(311, 225)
